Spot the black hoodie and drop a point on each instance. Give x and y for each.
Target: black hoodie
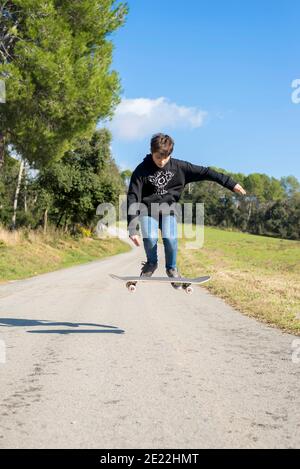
(150, 184)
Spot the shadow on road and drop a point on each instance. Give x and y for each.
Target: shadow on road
(82, 331)
(17, 322)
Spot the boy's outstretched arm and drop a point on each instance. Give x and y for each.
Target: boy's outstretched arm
(194, 173)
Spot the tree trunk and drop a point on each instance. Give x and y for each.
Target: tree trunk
(2, 150)
(66, 224)
(60, 218)
(25, 190)
(45, 221)
(249, 213)
(14, 218)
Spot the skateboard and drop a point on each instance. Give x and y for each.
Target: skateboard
(186, 283)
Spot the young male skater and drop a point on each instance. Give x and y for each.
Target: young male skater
(156, 184)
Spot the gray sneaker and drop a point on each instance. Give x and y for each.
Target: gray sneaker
(148, 269)
(174, 273)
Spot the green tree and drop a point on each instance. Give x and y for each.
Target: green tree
(126, 175)
(55, 59)
(71, 189)
(271, 206)
(290, 184)
(8, 182)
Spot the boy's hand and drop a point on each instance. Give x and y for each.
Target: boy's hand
(239, 189)
(136, 239)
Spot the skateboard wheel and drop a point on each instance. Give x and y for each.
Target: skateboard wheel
(189, 290)
(131, 288)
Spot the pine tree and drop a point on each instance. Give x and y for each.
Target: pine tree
(55, 59)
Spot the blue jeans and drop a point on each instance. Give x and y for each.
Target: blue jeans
(168, 226)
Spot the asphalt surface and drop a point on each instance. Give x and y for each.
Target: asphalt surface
(89, 365)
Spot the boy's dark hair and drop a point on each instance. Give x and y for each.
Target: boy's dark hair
(163, 144)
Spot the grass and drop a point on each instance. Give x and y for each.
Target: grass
(25, 254)
(257, 275)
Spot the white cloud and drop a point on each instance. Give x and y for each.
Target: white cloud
(135, 119)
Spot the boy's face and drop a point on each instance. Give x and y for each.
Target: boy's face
(160, 160)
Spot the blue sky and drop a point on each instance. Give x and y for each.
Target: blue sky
(216, 76)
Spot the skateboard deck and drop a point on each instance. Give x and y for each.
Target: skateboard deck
(185, 282)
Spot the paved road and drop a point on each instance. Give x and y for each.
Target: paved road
(90, 365)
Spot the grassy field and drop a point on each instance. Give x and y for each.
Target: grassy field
(258, 275)
(24, 254)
